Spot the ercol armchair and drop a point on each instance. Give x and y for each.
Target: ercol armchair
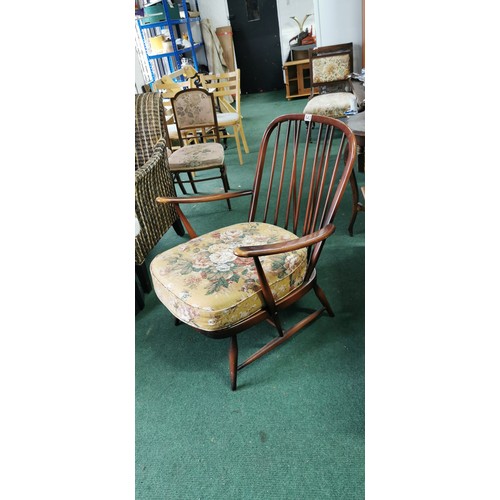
(152, 179)
(330, 70)
(224, 282)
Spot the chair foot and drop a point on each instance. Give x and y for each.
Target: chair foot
(233, 361)
(322, 298)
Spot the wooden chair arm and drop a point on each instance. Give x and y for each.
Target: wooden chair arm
(287, 246)
(203, 198)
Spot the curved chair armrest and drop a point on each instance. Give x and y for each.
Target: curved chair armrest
(203, 198)
(287, 246)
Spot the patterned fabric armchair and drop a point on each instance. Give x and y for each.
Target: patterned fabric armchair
(152, 175)
(230, 279)
(330, 68)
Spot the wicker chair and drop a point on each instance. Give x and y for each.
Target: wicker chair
(152, 179)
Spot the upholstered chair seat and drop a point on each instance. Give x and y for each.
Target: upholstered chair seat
(197, 156)
(333, 105)
(204, 284)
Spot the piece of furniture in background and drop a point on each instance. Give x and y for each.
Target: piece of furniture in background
(176, 23)
(225, 87)
(330, 68)
(199, 138)
(226, 281)
(152, 179)
(297, 78)
(168, 86)
(300, 52)
(357, 124)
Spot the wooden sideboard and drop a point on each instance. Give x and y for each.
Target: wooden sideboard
(297, 78)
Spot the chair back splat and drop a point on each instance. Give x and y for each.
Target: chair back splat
(226, 281)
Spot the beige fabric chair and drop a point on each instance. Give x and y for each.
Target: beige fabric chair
(199, 138)
(168, 86)
(226, 89)
(330, 67)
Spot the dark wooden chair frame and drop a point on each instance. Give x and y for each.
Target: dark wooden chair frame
(318, 172)
(202, 133)
(328, 51)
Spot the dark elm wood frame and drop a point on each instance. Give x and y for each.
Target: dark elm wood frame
(303, 180)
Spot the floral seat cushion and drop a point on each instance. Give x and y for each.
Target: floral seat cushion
(209, 154)
(204, 284)
(334, 104)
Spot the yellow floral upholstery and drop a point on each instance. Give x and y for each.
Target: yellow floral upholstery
(333, 105)
(330, 68)
(204, 284)
(208, 154)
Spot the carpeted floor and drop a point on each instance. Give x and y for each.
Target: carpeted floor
(294, 429)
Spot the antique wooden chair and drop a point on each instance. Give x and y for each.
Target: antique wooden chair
(168, 86)
(196, 121)
(226, 90)
(228, 280)
(331, 91)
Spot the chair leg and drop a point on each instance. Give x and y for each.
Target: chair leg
(243, 138)
(178, 227)
(238, 146)
(233, 361)
(322, 298)
(180, 183)
(225, 183)
(191, 180)
(139, 297)
(355, 199)
(142, 274)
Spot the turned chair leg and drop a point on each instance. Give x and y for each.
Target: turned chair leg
(355, 200)
(233, 361)
(322, 298)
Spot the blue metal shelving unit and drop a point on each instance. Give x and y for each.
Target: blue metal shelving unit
(168, 62)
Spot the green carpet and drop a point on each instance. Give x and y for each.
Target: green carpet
(294, 429)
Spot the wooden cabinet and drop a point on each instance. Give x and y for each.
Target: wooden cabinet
(297, 78)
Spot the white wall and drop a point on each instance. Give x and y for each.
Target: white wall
(288, 27)
(215, 10)
(340, 21)
(218, 13)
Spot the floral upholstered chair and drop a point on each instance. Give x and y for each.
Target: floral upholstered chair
(224, 282)
(330, 68)
(199, 138)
